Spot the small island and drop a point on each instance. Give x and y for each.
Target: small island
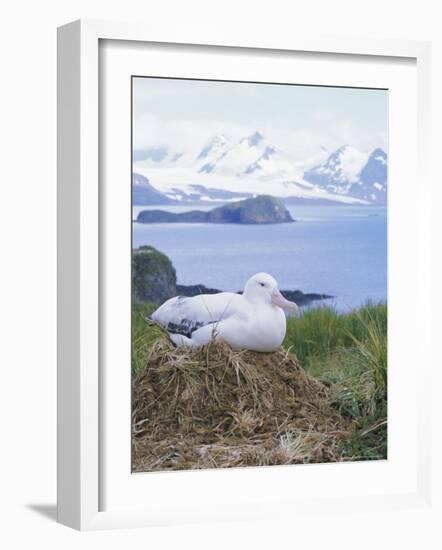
(263, 209)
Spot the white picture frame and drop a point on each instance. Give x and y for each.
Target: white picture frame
(80, 265)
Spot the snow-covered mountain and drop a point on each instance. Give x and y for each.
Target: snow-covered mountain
(351, 173)
(144, 193)
(224, 169)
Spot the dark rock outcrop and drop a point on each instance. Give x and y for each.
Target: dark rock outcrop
(154, 281)
(153, 276)
(297, 296)
(195, 290)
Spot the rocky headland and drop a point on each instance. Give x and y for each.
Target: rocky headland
(154, 280)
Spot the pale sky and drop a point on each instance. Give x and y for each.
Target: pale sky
(179, 114)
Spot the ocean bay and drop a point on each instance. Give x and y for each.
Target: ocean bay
(336, 250)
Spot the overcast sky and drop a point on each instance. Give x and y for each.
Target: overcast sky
(184, 114)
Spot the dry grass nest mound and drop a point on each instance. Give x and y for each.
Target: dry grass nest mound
(217, 407)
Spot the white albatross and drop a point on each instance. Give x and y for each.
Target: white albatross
(254, 320)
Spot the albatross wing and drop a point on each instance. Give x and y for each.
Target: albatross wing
(184, 316)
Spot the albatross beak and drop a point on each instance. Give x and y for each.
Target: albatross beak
(279, 300)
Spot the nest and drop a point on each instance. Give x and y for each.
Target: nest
(214, 407)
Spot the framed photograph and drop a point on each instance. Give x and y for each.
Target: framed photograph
(243, 232)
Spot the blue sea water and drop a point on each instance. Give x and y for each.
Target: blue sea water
(337, 250)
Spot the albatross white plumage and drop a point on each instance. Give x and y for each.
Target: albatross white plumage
(254, 320)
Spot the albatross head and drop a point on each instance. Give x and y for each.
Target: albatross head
(262, 287)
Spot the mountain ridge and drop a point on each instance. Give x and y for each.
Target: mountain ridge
(224, 169)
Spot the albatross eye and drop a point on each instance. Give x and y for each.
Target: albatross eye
(262, 284)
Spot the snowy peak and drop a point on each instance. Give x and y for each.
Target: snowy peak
(348, 171)
(236, 159)
(379, 155)
(373, 177)
(259, 163)
(375, 169)
(210, 153)
(228, 169)
(340, 170)
(215, 147)
(252, 140)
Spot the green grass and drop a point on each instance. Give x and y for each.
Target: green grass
(348, 352)
(143, 335)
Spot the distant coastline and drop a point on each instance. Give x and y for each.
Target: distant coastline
(297, 296)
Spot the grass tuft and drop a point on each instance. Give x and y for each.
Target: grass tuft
(348, 352)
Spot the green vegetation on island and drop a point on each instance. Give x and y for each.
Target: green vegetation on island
(153, 276)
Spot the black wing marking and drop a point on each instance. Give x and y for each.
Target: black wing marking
(186, 327)
(184, 315)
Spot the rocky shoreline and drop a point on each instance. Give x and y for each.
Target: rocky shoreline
(297, 296)
(154, 280)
